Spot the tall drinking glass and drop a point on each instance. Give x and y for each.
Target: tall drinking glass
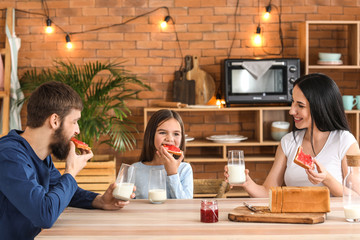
(157, 186)
(236, 167)
(125, 182)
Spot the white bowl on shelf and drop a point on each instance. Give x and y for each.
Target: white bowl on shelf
(329, 56)
(279, 129)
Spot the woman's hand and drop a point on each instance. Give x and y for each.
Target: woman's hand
(226, 174)
(170, 163)
(317, 176)
(107, 200)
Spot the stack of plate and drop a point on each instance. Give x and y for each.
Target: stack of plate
(226, 138)
(329, 59)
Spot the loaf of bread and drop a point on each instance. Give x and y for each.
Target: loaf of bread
(299, 199)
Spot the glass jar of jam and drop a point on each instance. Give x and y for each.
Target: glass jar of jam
(209, 212)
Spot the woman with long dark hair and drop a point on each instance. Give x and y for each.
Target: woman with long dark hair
(321, 128)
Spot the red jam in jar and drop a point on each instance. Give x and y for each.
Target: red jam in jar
(209, 212)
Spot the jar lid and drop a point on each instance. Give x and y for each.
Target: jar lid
(353, 160)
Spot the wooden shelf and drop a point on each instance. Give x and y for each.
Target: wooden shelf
(259, 158)
(233, 193)
(200, 149)
(333, 67)
(207, 143)
(5, 93)
(310, 44)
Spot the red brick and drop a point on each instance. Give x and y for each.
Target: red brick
(188, 19)
(187, 3)
(80, 3)
(201, 44)
(200, 27)
(108, 3)
(213, 3)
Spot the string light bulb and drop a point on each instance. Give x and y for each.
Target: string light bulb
(267, 12)
(68, 42)
(49, 29)
(257, 38)
(164, 23)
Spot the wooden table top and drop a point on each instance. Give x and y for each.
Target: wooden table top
(180, 219)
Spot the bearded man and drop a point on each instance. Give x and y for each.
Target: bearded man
(33, 193)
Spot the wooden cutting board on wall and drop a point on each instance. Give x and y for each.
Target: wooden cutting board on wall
(204, 83)
(243, 214)
(184, 89)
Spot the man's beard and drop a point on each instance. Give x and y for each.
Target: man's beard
(60, 148)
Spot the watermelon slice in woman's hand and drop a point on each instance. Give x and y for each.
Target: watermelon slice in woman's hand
(304, 160)
(172, 149)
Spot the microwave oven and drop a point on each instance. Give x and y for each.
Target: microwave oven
(259, 80)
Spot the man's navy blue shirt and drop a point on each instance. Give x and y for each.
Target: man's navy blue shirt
(33, 193)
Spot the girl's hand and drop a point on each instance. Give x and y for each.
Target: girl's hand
(170, 163)
(316, 176)
(226, 174)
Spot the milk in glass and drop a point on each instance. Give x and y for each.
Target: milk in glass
(123, 191)
(157, 195)
(236, 173)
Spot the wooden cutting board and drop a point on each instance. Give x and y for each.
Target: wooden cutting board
(243, 214)
(204, 83)
(183, 89)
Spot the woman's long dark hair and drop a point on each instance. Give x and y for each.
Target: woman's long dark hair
(325, 100)
(148, 150)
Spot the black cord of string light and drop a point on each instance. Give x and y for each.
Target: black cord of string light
(235, 29)
(46, 14)
(45, 7)
(41, 14)
(280, 30)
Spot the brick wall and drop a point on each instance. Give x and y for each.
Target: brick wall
(205, 28)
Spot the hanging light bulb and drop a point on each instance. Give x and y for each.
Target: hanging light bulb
(164, 23)
(257, 38)
(49, 28)
(68, 41)
(267, 12)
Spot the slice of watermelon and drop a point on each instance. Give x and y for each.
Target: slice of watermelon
(304, 160)
(172, 149)
(79, 144)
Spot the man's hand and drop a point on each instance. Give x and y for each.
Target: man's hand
(108, 202)
(74, 162)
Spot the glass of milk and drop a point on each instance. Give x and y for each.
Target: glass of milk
(125, 182)
(157, 186)
(236, 167)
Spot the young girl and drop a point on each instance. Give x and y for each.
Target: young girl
(164, 127)
(321, 128)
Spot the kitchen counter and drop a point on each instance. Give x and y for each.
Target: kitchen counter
(180, 219)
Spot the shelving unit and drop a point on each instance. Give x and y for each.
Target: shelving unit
(258, 134)
(5, 93)
(335, 36)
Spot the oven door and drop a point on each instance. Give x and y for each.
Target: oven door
(244, 87)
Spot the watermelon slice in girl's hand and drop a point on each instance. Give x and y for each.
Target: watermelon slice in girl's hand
(304, 160)
(80, 145)
(172, 149)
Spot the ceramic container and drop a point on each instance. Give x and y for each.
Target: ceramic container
(279, 129)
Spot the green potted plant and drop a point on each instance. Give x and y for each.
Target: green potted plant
(104, 89)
